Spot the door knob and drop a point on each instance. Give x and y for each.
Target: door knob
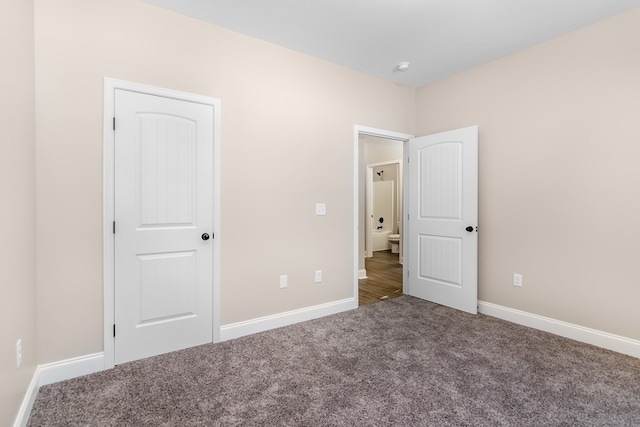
(469, 229)
(205, 236)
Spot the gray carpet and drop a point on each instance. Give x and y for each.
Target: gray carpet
(405, 362)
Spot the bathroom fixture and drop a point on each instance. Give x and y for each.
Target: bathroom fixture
(394, 239)
(380, 240)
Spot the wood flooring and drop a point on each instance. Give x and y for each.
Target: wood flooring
(384, 278)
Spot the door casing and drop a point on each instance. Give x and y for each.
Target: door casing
(380, 133)
(110, 85)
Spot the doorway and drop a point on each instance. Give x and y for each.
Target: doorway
(441, 207)
(161, 221)
(378, 165)
(383, 199)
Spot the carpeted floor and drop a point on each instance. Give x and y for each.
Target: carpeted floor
(405, 362)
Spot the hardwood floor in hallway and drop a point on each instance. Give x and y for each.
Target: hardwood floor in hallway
(384, 278)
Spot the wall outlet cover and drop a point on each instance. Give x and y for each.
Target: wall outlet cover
(321, 208)
(517, 280)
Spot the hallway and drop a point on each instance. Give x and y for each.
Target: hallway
(384, 278)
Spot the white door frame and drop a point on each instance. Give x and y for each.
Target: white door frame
(110, 86)
(368, 244)
(381, 133)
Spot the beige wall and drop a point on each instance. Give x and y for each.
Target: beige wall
(558, 153)
(559, 174)
(278, 107)
(378, 150)
(17, 215)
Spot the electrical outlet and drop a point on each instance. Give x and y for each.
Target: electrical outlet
(318, 276)
(19, 353)
(517, 280)
(283, 281)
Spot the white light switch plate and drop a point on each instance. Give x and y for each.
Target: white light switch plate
(321, 208)
(19, 353)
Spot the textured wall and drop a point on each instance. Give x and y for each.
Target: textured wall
(559, 176)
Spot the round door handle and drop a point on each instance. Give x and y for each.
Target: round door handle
(205, 236)
(469, 229)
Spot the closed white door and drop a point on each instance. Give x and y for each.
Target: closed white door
(163, 225)
(443, 218)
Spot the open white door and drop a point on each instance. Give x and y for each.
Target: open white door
(443, 218)
(163, 224)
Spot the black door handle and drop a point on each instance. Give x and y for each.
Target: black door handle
(205, 236)
(469, 229)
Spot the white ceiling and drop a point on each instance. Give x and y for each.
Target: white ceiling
(438, 37)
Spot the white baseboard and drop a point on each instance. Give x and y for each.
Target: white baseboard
(261, 324)
(50, 373)
(362, 273)
(606, 340)
(27, 402)
(71, 368)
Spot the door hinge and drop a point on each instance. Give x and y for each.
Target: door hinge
(408, 217)
(114, 123)
(114, 227)
(114, 330)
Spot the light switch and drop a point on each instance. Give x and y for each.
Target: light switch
(321, 208)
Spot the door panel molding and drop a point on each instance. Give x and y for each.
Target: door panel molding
(442, 202)
(110, 87)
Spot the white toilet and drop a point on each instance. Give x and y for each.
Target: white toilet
(394, 239)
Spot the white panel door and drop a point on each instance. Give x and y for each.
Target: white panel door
(163, 207)
(443, 218)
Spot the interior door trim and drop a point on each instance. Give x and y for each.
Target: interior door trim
(381, 133)
(108, 179)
